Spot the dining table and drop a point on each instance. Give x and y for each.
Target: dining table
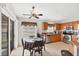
(29, 42)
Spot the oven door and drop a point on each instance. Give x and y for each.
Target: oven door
(67, 38)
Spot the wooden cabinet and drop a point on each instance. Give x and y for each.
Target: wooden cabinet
(45, 25)
(55, 37)
(75, 23)
(58, 26)
(74, 39)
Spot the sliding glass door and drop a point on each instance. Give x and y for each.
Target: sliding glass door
(11, 35)
(5, 32)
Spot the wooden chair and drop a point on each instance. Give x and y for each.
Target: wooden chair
(43, 37)
(38, 45)
(28, 46)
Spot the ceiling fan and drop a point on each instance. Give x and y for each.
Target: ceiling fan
(33, 14)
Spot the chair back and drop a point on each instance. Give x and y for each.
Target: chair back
(29, 45)
(38, 43)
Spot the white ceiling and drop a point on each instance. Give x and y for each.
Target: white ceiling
(50, 11)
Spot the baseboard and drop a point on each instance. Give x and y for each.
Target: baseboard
(48, 42)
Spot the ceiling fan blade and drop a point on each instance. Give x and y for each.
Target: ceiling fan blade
(27, 14)
(39, 14)
(30, 17)
(36, 17)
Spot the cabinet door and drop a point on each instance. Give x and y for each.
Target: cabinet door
(55, 38)
(58, 26)
(75, 23)
(45, 26)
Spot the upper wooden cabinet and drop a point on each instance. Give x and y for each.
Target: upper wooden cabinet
(58, 26)
(75, 23)
(45, 25)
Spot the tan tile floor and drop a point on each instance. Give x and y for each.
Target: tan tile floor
(52, 49)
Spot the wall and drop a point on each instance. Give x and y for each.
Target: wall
(19, 33)
(6, 10)
(16, 34)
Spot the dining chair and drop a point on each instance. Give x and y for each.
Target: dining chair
(38, 45)
(43, 37)
(28, 46)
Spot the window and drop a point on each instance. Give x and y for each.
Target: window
(50, 29)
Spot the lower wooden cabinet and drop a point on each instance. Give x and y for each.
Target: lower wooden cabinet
(55, 37)
(74, 39)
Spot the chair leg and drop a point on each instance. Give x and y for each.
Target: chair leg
(23, 52)
(41, 53)
(44, 47)
(31, 53)
(34, 53)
